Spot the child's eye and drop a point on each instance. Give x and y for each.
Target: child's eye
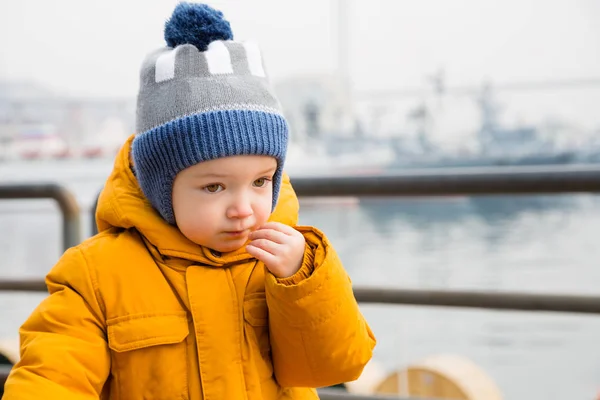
(260, 182)
(214, 188)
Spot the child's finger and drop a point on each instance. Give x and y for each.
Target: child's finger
(266, 245)
(269, 234)
(288, 230)
(260, 254)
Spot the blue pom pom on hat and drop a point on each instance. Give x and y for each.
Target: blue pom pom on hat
(196, 24)
(202, 97)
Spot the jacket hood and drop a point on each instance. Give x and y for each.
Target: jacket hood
(123, 205)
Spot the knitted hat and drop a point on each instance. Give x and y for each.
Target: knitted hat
(203, 97)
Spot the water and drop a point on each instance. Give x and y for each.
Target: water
(534, 244)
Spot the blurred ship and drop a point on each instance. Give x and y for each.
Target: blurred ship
(324, 118)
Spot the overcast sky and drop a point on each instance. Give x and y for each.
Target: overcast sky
(96, 47)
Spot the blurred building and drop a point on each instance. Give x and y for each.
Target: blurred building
(38, 123)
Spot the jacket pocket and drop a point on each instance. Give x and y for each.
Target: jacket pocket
(149, 356)
(256, 328)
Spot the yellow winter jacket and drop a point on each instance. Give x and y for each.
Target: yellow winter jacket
(140, 312)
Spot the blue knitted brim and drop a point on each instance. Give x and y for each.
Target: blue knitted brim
(160, 153)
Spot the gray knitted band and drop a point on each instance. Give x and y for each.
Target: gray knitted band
(185, 81)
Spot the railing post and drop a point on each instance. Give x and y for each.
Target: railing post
(71, 232)
(93, 225)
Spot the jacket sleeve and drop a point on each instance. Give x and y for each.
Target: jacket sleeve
(64, 354)
(318, 334)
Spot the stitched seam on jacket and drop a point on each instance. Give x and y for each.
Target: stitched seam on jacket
(132, 317)
(192, 307)
(185, 394)
(94, 281)
(236, 307)
(143, 343)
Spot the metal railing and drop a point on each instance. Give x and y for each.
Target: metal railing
(513, 301)
(492, 181)
(333, 394)
(67, 203)
(324, 394)
(457, 181)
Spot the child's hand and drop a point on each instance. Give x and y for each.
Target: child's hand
(279, 246)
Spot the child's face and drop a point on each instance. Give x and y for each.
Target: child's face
(218, 203)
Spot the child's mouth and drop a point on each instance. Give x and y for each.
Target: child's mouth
(236, 233)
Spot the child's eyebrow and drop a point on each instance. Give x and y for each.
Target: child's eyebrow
(216, 175)
(209, 175)
(268, 170)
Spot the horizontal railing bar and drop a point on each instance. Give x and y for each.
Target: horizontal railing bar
(23, 285)
(444, 298)
(333, 394)
(483, 300)
(324, 394)
(66, 201)
(457, 181)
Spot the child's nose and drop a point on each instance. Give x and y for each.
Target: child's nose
(242, 208)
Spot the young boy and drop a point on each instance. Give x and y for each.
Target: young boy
(199, 284)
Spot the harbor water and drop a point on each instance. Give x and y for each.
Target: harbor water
(539, 244)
